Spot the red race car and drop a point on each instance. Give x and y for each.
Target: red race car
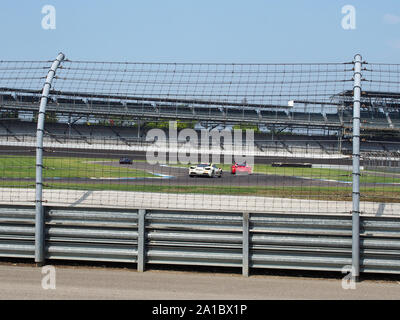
(241, 168)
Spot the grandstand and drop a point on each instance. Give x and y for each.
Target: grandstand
(378, 114)
(65, 134)
(293, 108)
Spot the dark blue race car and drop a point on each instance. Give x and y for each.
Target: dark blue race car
(125, 161)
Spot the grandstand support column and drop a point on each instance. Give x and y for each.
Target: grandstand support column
(39, 218)
(340, 138)
(356, 169)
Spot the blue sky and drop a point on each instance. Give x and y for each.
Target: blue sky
(201, 31)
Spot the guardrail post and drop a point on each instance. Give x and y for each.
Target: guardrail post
(39, 218)
(245, 245)
(356, 169)
(141, 240)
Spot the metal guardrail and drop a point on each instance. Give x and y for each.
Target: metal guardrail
(17, 232)
(380, 245)
(198, 238)
(91, 235)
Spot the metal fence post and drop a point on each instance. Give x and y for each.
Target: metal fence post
(245, 245)
(39, 218)
(356, 168)
(141, 240)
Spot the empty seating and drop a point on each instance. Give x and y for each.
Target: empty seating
(333, 118)
(377, 122)
(347, 117)
(365, 115)
(70, 101)
(185, 110)
(139, 107)
(395, 117)
(250, 113)
(271, 114)
(318, 117)
(100, 104)
(4, 98)
(167, 109)
(208, 111)
(28, 99)
(300, 116)
(237, 113)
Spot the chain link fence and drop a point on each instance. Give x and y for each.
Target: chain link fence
(295, 139)
(272, 137)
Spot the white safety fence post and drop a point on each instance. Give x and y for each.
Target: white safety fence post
(356, 168)
(39, 218)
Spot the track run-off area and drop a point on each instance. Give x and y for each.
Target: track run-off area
(158, 200)
(93, 178)
(24, 282)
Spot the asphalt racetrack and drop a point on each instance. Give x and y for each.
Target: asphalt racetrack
(171, 175)
(24, 281)
(178, 176)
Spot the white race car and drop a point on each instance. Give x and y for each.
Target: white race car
(205, 170)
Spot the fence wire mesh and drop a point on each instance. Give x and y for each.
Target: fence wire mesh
(134, 135)
(380, 113)
(21, 83)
